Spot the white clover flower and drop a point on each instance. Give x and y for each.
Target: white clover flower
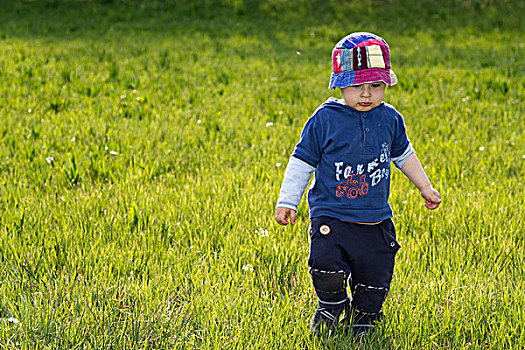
(269, 124)
(248, 267)
(13, 320)
(262, 232)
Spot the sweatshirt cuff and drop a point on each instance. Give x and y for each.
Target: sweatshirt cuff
(399, 161)
(286, 205)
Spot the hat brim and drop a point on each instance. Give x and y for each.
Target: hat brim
(370, 75)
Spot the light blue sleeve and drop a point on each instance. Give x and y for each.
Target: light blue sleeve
(296, 178)
(399, 161)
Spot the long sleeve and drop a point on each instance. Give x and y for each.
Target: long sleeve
(296, 178)
(399, 161)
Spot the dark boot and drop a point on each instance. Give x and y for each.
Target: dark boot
(366, 307)
(330, 287)
(325, 319)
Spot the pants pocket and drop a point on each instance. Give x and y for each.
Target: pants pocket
(389, 235)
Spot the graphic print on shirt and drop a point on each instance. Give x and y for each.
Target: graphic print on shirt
(354, 182)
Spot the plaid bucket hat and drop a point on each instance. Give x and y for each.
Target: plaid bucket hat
(361, 58)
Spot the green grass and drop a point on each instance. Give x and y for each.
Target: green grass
(142, 147)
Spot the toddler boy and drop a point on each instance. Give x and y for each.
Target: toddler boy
(348, 144)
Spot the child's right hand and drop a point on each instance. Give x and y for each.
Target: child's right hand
(282, 215)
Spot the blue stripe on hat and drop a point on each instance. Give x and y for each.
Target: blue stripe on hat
(351, 41)
(342, 80)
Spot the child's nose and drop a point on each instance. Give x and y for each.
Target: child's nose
(365, 92)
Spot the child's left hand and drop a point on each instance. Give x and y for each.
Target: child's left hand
(432, 197)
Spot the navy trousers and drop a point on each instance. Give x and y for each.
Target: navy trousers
(365, 253)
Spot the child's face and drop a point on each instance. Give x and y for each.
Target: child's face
(364, 97)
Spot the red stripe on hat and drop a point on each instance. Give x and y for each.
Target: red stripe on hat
(364, 58)
(336, 66)
(386, 56)
(370, 42)
(355, 63)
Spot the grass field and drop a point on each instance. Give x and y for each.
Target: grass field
(143, 144)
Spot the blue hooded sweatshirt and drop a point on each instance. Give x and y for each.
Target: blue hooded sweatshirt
(351, 153)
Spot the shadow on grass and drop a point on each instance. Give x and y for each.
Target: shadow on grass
(125, 20)
(274, 29)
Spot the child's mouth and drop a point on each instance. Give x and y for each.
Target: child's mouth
(365, 104)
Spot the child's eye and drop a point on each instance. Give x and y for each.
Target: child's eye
(376, 85)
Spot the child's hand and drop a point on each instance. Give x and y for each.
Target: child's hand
(282, 215)
(432, 197)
